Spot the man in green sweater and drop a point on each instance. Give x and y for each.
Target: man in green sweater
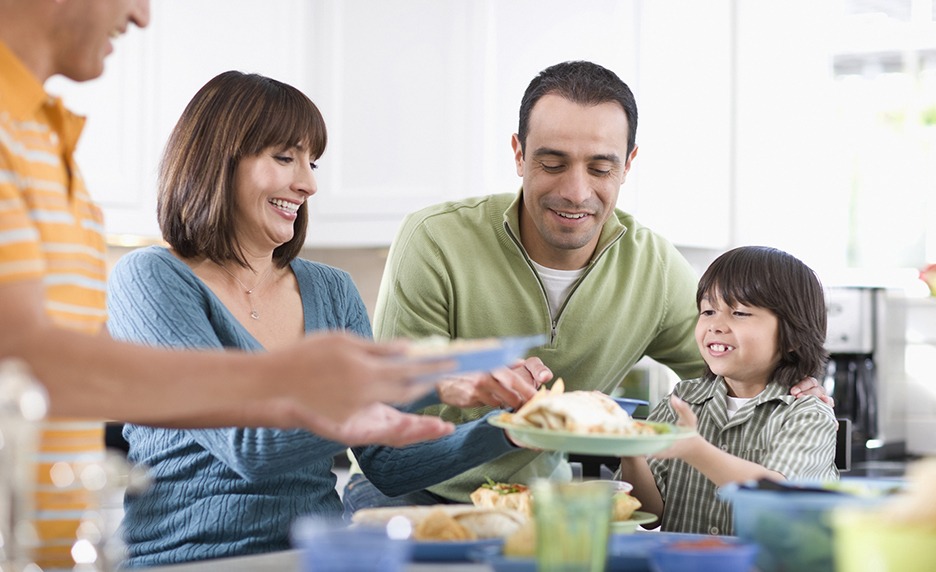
(557, 258)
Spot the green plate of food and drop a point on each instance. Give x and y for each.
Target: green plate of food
(602, 444)
(585, 423)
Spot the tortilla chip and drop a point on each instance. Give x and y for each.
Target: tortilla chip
(439, 525)
(479, 522)
(521, 543)
(624, 506)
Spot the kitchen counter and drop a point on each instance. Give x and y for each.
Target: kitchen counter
(288, 561)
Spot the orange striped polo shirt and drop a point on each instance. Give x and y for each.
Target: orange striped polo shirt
(51, 233)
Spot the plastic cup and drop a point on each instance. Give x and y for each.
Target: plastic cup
(572, 524)
(327, 546)
(867, 542)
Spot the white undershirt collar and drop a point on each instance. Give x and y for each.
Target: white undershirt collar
(558, 284)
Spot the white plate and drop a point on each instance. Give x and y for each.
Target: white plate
(594, 443)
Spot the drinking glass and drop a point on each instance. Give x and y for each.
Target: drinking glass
(572, 523)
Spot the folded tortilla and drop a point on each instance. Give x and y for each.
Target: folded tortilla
(499, 495)
(576, 412)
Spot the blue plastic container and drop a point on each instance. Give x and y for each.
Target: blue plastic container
(331, 548)
(630, 552)
(793, 527)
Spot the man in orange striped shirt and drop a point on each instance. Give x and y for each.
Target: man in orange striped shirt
(52, 284)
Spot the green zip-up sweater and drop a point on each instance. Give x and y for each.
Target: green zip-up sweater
(458, 270)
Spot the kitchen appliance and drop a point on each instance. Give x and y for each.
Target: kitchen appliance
(865, 373)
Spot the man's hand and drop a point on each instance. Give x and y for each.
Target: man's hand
(503, 387)
(811, 386)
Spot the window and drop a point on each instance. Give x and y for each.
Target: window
(884, 65)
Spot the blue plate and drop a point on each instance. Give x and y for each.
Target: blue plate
(447, 551)
(630, 405)
(630, 552)
(504, 352)
(510, 563)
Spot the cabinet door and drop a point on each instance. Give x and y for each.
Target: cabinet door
(394, 83)
(420, 96)
(528, 36)
(422, 110)
(116, 152)
(153, 74)
(196, 40)
(683, 168)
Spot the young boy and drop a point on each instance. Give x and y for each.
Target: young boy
(761, 328)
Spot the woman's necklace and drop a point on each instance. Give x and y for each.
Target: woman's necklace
(253, 311)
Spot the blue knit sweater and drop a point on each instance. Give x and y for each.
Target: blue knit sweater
(221, 492)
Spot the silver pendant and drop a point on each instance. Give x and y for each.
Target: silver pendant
(254, 315)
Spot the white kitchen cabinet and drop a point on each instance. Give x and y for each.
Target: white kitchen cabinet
(735, 104)
(394, 83)
(421, 98)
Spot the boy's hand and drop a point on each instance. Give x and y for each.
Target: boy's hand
(684, 418)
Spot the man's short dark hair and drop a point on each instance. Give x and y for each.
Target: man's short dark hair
(584, 83)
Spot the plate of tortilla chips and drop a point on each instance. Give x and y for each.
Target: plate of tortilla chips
(450, 532)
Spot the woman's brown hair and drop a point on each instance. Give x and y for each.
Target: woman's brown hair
(233, 116)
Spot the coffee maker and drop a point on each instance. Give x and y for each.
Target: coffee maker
(865, 373)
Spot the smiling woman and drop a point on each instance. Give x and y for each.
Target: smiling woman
(194, 204)
(233, 186)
